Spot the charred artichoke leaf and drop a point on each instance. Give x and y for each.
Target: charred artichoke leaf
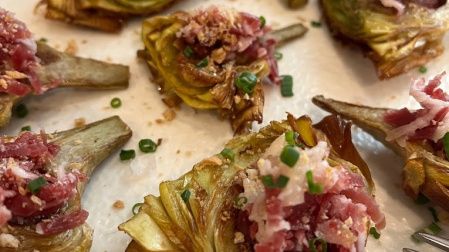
(206, 220)
(83, 148)
(395, 43)
(424, 172)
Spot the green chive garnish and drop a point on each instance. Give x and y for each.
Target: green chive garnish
(278, 55)
(434, 214)
(421, 200)
(268, 181)
(240, 201)
(434, 228)
(25, 128)
(263, 21)
(246, 82)
(422, 69)
(290, 138)
(116, 102)
(203, 63)
(287, 85)
(188, 52)
(21, 110)
(35, 185)
(147, 145)
(135, 207)
(289, 156)
(446, 145)
(127, 154)
(374, 233)
(185, 195)
(281, 182)
(43, 40)
(313, 247)
(228, 154)
(314, 188)
(315, 24)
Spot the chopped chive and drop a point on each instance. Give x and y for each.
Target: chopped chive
(287, 85)
(421, 199)
(434, 214)
(374, 233)
(135, 208)
(21, 110)
(289, 156)
(240, 201)
(278, 55)
(268, 181)
(116, 102)
(228, 154)
(315, 24)
(188, 52)
(313, 247)
(185, 195)
(43, 40)
(25, 128)
(314, 188)
(422, 69)
(35, 185)
(203, 63)
(290, 138)
(434, 228)
(446, 145)
(263, 21)
(127, 154)
(246, 82)
(147, 145)
(281, 182)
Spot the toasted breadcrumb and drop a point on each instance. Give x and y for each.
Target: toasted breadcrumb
(8, 241)
(72, 47)
(119, 204)
(169, 114)
(80, 122)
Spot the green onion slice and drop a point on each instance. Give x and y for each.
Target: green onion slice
(228, 154)
(315, 24)
(185, 195)
(278, 55)
(281, 182)
(422, 69)
(147, 145)
(421, 200)
(43, 40)
(374, 233)
(240, 201)
(314, 188)
(136, 207)
(287, 86)
(446, 145)
(203, 63)
(35, 185)
(263, 21)
(290, 138)
(127, 154)
(21, 110)
(116, 102)
(289, 156)
(434, 214)
(246, 82)
(25, 128)
(313, 247)
(188, 52)
(434, 228)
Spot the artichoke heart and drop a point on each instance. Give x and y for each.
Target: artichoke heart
(396, 39)
(203, 209)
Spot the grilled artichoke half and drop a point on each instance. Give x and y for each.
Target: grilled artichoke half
(106, 15)
(83, 148)
(395, 42)
(424, 171)
(206, 221)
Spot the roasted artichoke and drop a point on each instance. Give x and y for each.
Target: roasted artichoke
(417, 136)
(204, 209)
(396, 35)
(214, 59)
(56, 224)
(106, 15)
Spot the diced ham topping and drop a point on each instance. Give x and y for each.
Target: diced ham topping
(431, 122)
(227, 34)
(22, 160)
(286, 219)
(62, 223)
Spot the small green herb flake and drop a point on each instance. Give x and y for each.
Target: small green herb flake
(127, 154)
(263, 21)
(287, 86)
(434, 228)
(203, 63)
(278, 55)
(446, 145)
(281, 182)
(188, 52)
(21, 110)
(315, 24)
(268, 181)
(434, 214)
(374, 233)
(25, 128)
(43, 40)
(147, 145)
(422, 69)
(246, 82)
(116, 102)
(290, 138)
(289, 156)
(314, 188)
(421, 200)
(136, 207)
(35, 185)
(228, 154)
(185, 195)
(240, 201)
(314, 248)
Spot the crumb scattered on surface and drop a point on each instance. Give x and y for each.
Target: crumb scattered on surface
(160, 175)
(150, 124)
(72, 47)
(159, 121)
(159, 141)
(109, 59)
(188, 153)
(119, 204)
(79, 122)
(83, 41)
(178, 151)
